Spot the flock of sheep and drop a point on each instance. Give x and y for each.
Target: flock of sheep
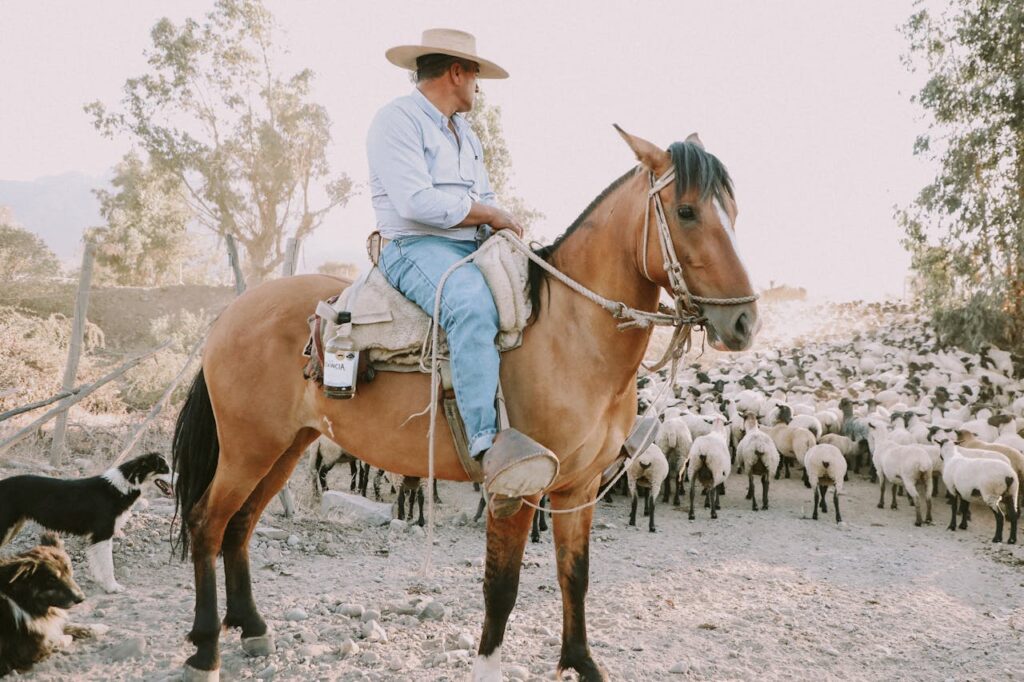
(889, 400)
(892, 400)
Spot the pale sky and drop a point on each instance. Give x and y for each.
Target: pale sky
(806, 103)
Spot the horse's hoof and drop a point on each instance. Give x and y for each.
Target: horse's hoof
(190, 674)
(262, 645)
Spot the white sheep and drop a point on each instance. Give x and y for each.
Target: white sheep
(909, 464)
(758, 456)
(647, 471)
(846, 446)
(709, 465)
(792, 443)
(992, 480)
(675, 441)
(966, 439)
(825, 466)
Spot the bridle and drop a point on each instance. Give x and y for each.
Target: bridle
(687, 312)
(673, 268)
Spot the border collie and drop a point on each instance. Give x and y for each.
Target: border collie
(96, 507)
(35, 588)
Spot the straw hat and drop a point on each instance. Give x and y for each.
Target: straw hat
(444, 41)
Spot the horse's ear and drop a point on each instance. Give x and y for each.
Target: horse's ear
(646, 152)
(695, 139)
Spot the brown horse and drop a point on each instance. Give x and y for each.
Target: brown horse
(571, 386)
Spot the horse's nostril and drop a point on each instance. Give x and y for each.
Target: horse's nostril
(742, 325)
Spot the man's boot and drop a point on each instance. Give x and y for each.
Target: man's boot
(514, 467)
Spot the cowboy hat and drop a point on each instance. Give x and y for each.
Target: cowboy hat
(444, 41)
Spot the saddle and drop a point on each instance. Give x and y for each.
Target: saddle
(394, 334)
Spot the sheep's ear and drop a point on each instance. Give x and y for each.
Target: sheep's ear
(694, 138)
(654, 159)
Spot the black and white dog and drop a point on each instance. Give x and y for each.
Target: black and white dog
(96, 507)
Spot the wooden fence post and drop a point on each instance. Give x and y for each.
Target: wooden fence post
(291, 252)
(236, 265)
(74, 350)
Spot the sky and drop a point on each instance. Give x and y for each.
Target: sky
(806, 103)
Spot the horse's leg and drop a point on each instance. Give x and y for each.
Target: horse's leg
(353, 475)
(419, 498)
(231, 486)
(401, 503)
(241, 607)
(506, 540)
(572, 552)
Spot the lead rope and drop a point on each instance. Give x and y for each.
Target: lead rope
(634, 319)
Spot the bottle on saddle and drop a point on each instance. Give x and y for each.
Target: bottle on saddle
(341, 361)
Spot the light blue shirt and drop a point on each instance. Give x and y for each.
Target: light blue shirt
(422, 180)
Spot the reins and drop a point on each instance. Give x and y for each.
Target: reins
(682, 319)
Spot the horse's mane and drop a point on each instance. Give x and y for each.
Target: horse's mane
(695, 168)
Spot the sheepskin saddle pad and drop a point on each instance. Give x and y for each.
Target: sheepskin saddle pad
(395, 332)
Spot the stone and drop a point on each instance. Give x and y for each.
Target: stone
(433, 610)
(374, 632)
(370, 614)
(369, 658)
(552, 640)
(355, 510)
(398, 526)
(133, 647)
(267, 673)
(464, 641)
(395, 662)
(271, 533)
(417, 532)
(294, 540)
(679, 668)
(296, 614)
(351, 610)
(313, 650)
(348, 648)
(402, 607)
(517, 672)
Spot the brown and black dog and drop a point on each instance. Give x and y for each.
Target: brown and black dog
(36, 587)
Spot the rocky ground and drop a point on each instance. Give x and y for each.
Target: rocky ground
(751, 595)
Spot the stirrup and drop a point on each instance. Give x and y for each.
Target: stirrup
(516, 465)
(645, 430)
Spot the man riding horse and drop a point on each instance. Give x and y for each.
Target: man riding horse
(434, 206)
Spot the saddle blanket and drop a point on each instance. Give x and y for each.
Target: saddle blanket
(395, 332)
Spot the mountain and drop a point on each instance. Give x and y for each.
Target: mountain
(57, 208)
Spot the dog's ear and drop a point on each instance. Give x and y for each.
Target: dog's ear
(18, 568)
(49, 539)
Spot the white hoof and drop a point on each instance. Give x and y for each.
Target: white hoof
(487, 668)
(262, 645)
(114, 588)
(190, 674)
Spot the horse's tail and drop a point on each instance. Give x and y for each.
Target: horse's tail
(195, 453)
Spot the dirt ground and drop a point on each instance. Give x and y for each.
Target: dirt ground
(751, 595)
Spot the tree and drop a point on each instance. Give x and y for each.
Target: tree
(486, 121)
(23, 255)
(145, 240)
(965, 230)
(247, 144)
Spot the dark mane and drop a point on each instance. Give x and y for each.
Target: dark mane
(695, 169)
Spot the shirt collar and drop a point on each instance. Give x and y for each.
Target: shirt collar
(433, 112)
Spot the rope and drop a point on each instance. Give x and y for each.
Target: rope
(636, 319)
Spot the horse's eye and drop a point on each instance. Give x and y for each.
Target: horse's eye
(686, 213)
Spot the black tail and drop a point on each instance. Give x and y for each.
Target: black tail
(195, 452)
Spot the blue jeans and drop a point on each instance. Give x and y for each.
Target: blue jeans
(414, 266)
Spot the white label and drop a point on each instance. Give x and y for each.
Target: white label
(340, 368)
